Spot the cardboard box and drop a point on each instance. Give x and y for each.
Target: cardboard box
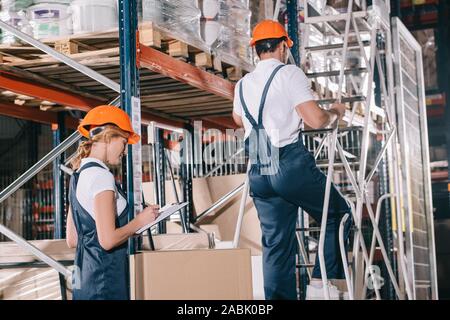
(10, 252)
(32, 283)
(208, 190)
(211, 189)
(148, 188)
(204, 274)
(178, 241)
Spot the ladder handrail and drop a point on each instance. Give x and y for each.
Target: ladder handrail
(38, 166)
(219, 202)
(24, 178)
(46, 160)
(35, 251)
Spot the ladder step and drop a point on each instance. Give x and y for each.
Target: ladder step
(311, 265)
(312, 229)
(336, 73)
(317, 229)
(335, 46)
(324, 163)
(303, 265)
(343, 100)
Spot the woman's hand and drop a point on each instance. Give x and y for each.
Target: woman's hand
(148, 215)
(105, 210)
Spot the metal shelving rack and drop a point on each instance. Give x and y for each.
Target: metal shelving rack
(352, 53)
(189, 79)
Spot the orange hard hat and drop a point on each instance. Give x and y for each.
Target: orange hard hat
(269, 29)
(102, 115)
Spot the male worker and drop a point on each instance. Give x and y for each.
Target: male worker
(270, 103)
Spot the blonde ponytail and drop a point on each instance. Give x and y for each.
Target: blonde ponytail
(84, 149)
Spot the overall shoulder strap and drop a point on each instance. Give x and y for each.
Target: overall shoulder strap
(91, 165)
(265, 91)
(263, 99)
(76, 207)
(244, 106)
(75, 204)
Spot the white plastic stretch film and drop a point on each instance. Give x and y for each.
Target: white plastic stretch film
(15, 5)
(13, 13)
(179, 18)
(232, 43)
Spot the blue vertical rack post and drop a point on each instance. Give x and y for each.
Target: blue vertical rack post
(160, 173)
(129, 86)
(58, 181)
(59, 193)
(443, 55)
(292, 19)
(292, 12)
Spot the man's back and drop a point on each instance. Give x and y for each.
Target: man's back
(289, 88)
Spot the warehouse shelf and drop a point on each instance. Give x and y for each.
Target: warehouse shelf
(439, 175)
(420, 14)
(178, 82)
(435, 105)
(404, 4)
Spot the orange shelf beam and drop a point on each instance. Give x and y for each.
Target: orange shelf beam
(65, 98)
(32, 114)
(148, 58)
(410, 3)
(181, 71)
(47, 93)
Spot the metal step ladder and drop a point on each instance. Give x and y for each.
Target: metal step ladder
(340, 52)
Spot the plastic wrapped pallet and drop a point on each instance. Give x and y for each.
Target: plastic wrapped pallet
(428, 44)
(178, 18)
(85, 15)
(15, 5)
(50, 20)
(13, 13)
(232, 44)
(15, 20)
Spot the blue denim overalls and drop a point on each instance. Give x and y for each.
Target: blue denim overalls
(98, 274)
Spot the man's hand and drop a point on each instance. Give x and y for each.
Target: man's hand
(338, 109)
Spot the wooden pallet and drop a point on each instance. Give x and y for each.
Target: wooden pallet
(103, 48)
(160, 95)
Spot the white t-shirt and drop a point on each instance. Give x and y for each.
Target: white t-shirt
(289, 87)
(94, 180)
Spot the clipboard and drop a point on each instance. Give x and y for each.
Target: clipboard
(164, 213)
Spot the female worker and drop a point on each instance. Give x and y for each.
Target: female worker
(97, 220)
